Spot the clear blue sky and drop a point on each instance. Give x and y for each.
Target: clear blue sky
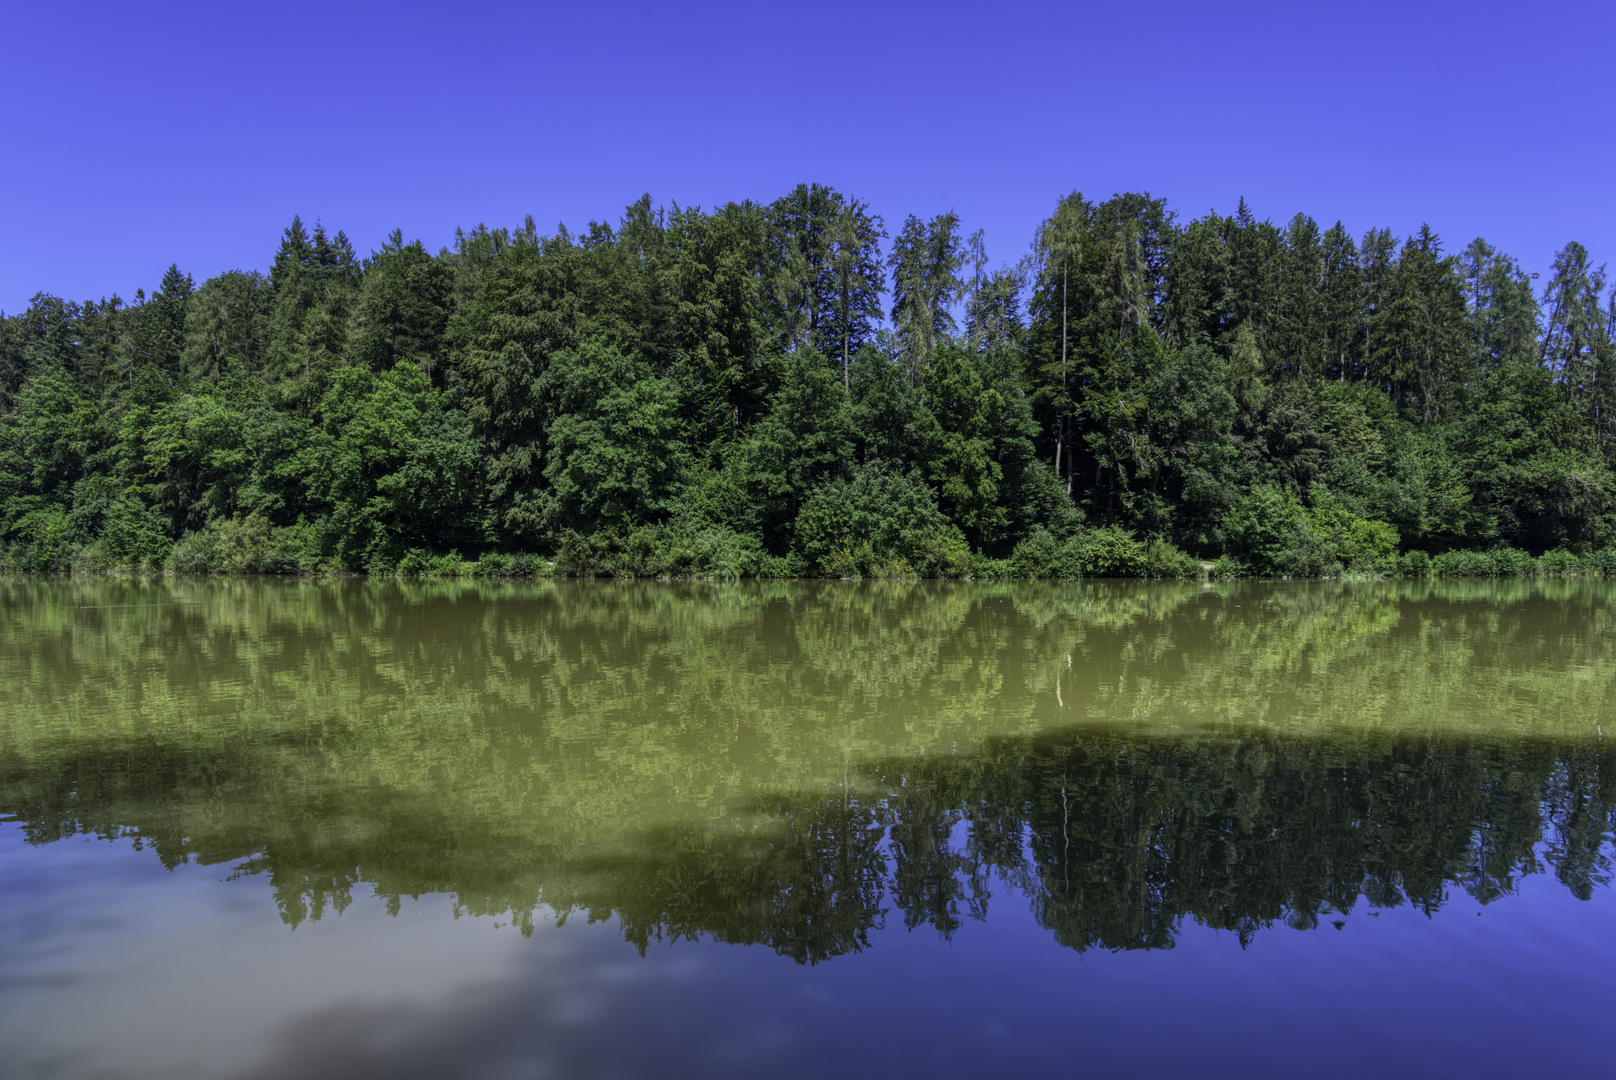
(140, 134)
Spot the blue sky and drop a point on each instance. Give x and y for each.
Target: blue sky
(144, 134)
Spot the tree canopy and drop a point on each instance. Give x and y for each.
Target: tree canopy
(813, 393)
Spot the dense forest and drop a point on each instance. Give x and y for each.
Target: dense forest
(798, 389)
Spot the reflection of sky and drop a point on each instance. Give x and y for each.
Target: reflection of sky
(110, 965)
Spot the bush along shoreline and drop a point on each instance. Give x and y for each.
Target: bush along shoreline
(804, 388)
(1320, 545)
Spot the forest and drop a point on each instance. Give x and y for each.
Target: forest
(798, 389)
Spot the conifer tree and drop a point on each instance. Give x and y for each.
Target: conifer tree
(925, 263)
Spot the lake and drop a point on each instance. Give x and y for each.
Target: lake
(321, 828)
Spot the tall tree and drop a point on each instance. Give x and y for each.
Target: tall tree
(1576, 335)
(1503, 309)
(1339, 292)
(856, 281)
(402, 310)
(801, 227)
(1297, 342)
(1059, 250)
(225, 322)
(925, 263)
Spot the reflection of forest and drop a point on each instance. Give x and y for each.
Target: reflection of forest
(791, 765)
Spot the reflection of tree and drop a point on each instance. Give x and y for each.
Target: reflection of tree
(785, 764)
(1133, 836)
(808, 883)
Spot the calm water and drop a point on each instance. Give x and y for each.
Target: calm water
(341, 828)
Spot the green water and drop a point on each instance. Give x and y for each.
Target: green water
(970, 781)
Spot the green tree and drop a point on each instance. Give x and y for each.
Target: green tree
(1577, 343)
(402, 311)
(614, 457)
(394, 467)
(925, 261)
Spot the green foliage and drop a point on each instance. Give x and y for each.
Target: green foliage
(614, 452)
(1508, 562)
(1164, 560)
(666, 551)
(41, 539)
(391, 465)
(239, 545)
(1499, 562)
(1602, 561)
(1272, 533)
(1414, 564)
(1040, 556)
(496, 564)
(1298, 400)
(1357, 543)
(1104, 552)
(1559, 563)
(1269, 529)
(133, 536)
(986, 568)
(419, 563)
(879, 523)
(804, 441)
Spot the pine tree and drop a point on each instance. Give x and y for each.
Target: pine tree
(225, 323)
(925, 263)
(855, 283)
(1576, 335)
(1339, 300)
(1297, 340)
(403, 307)
(1376, 294)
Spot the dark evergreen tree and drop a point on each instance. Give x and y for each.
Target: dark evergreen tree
(925, 263)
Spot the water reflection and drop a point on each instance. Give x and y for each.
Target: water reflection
(794, 765)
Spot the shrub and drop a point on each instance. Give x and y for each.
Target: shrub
(419, 563)
(132, 536)
(664, 551)
(1499, 562)
(1262, 525)
(1360, 544)
(500, 565)
(1106, 552)
(1271, 533)
(1462, 563)
(1511, 562)
(44, 541)
(584, 556)
(1037, 556)
(940, 553)
(1414, 564)
(1228, 566)
(237, 545)
(879, 524)
(1163, 560)
(1559, 563)
(984, 568)
(92, 559)
(1307, 555)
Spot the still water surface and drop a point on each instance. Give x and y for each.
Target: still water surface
(346, 828)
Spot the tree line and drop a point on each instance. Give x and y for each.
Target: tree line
(796, 388)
